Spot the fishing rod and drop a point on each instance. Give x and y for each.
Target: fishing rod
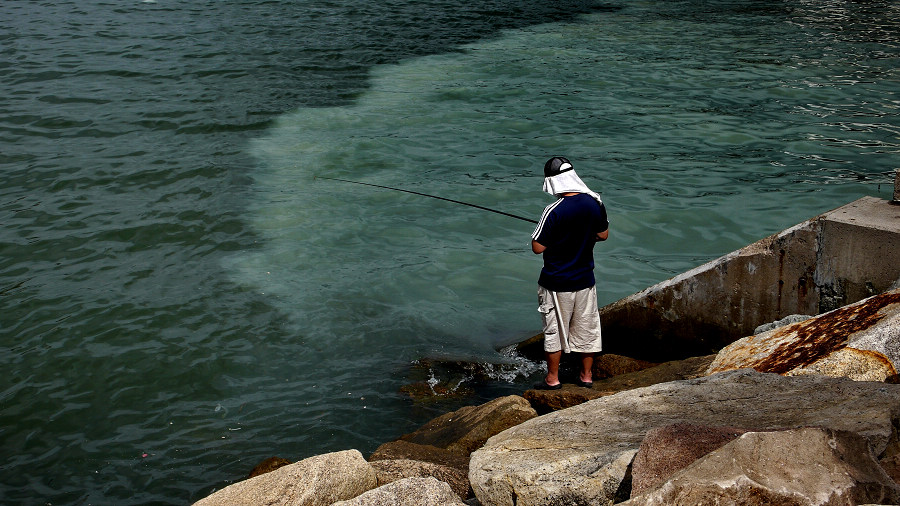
(432, 196)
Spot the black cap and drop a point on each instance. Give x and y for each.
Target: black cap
(557, 165)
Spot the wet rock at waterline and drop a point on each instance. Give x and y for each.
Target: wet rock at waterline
(467, 428)
(268, 465)
(436, 379)
(424, 391)
(432, 379)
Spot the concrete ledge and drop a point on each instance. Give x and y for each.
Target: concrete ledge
(834, 259)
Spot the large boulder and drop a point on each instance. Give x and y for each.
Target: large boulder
(417, 491)
(582, 455)
(860, 341)
(316, 481)
(467, 428)
(808, 466)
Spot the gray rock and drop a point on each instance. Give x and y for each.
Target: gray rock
(316, 481)
(411, 491)
(808, 466)
(860, 341)
(583, 454)
(787, 320)
(389, 471)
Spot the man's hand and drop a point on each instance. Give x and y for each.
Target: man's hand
(537, 247)
(602, 236)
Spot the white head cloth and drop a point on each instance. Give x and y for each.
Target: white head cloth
(567, 182)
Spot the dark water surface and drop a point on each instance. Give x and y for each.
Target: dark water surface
(180, 298)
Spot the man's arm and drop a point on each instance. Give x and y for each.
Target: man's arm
(537, 247)
(601, 236)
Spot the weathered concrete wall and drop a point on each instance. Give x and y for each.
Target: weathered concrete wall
(860, 254)
(832, 260)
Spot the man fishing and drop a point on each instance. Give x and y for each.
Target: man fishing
(567, 294)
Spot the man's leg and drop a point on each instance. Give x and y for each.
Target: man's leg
(552, 341)
(585, 332)
(553, 367)
(587, 368)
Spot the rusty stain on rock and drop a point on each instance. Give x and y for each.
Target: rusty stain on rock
(824, 335)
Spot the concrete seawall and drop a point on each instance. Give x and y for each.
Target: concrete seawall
(829, 261)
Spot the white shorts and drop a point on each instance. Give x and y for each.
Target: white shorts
(571, 320)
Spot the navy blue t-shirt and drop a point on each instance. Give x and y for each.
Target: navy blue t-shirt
(568, 229)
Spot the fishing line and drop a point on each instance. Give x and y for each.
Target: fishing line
(432, 196)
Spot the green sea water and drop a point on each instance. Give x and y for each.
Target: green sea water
(181, 296)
